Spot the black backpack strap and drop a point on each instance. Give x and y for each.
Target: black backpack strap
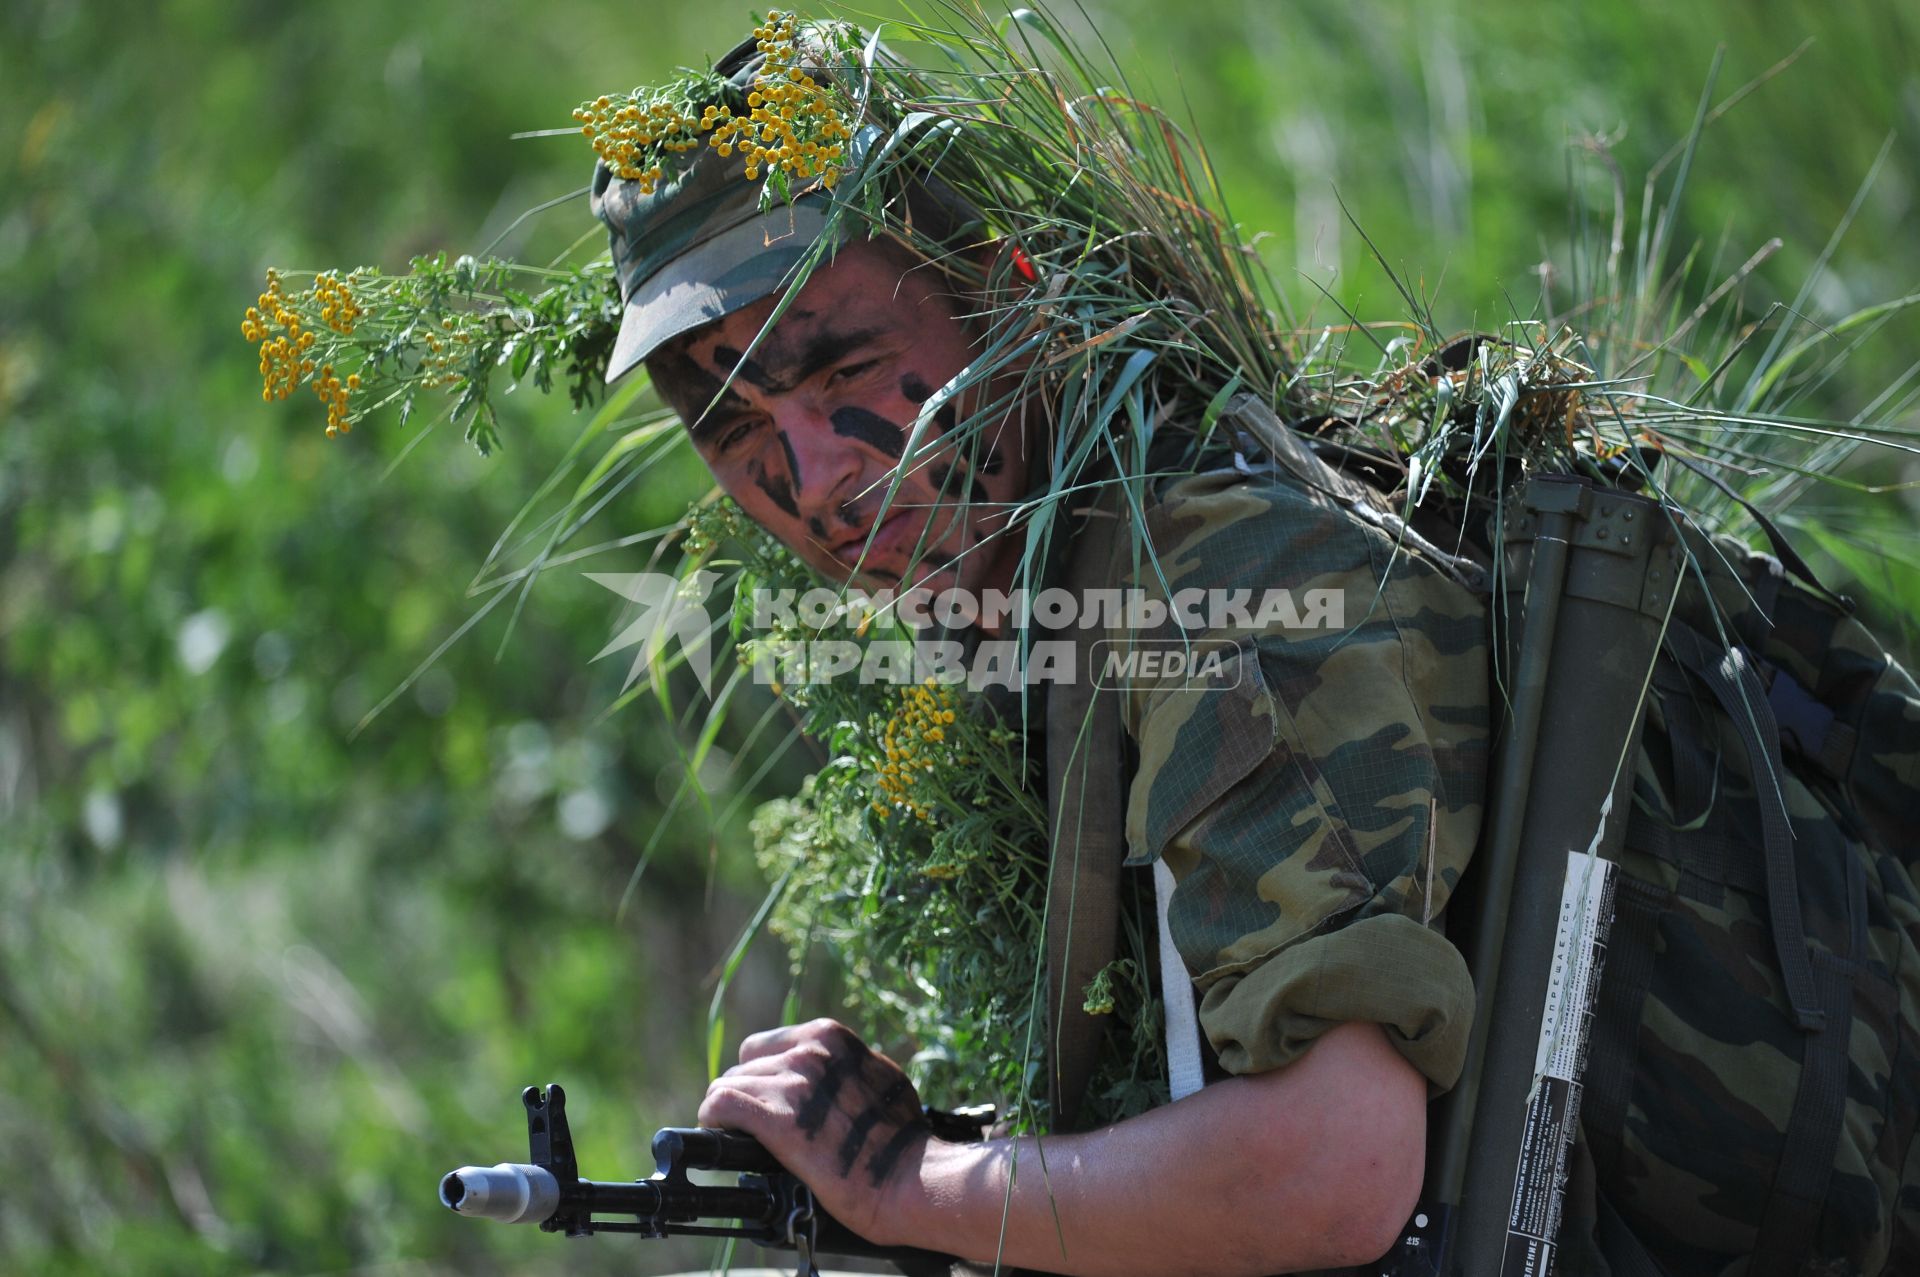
(1730, 675)
(1625, 1254)
(1799, 1191)
(1820, 992)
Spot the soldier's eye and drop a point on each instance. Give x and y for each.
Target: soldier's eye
(848, 372)
(733, 434)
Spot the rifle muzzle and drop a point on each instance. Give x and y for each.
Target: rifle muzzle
(510, 1192)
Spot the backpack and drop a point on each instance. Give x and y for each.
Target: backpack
(1752, 1085)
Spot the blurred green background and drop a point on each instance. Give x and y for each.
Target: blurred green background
(261, 979)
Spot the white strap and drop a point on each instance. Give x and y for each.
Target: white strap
(1176, 991)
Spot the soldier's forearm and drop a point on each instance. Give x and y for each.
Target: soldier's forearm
(1315, 1166)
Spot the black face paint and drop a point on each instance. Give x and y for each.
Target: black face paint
(871, 429)
(780, 367)
(691, 392)
(777, 489)
(790, 486)
(916, 390)
(733, 361)
(942, 475)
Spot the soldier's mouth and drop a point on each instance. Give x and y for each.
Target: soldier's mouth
(888, 543)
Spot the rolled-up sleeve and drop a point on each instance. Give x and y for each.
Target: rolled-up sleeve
(1314, 779)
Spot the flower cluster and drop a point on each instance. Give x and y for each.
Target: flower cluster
(447, 356)
(791, 125)
(1102, 992)
(340, 310)
(333, 392)
(284, 358)
(284, 326)
(924, 715)
(632, 134)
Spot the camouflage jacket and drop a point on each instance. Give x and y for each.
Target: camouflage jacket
(1317, 791)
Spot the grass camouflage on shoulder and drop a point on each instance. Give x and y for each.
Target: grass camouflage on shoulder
(1134, 307)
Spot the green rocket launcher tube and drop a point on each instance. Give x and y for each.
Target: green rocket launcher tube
(1590, 575)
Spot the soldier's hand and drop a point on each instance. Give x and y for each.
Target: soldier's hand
(839, 1115)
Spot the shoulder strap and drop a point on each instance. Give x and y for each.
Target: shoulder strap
(1818, 987)
(1086, 817)
(1734, 682)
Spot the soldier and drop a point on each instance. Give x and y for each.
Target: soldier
(804, 441)
(1316, 801)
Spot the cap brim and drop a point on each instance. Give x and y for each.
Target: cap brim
(711, 280)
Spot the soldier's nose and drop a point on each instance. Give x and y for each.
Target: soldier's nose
(822, 466)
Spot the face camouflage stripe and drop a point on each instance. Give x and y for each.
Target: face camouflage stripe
(871, 429)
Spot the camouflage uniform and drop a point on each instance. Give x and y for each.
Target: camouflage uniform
(1318, 799)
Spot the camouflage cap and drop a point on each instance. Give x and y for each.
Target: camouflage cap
(698, 246)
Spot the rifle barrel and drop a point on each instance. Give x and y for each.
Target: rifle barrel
(517, 1193)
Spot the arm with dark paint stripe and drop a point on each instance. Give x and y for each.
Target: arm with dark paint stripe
(1312, 1166)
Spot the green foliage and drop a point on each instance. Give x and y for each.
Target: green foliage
(440, 326)
(916, 858)
(263, 978)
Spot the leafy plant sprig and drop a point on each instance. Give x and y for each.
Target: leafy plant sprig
(365, 341)
(917, 857)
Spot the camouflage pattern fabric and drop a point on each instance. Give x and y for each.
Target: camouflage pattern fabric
(1318, 794)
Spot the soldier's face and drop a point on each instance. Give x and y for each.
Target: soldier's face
(812, 430)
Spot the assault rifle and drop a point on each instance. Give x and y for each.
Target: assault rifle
(769, 1205)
